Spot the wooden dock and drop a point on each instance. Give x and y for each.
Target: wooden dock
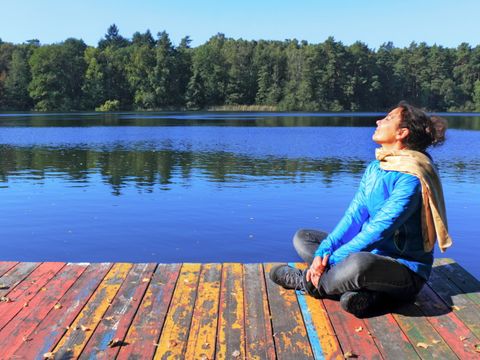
(220, 311)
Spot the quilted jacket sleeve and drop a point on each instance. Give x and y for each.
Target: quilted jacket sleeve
(350, 224)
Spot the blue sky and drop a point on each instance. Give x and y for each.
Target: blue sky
(374, 22)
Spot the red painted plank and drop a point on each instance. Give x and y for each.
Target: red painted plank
(145, 329)
(17, 330)
(428, 343)
(119, 315)
(455, 333)
(26, 290)
(6, 266)
(50, 330)
(389, 337)
(15, 276)
(359, 343)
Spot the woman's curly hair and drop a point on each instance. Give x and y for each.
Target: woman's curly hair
(424, 130)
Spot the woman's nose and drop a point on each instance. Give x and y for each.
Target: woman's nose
(378, 121)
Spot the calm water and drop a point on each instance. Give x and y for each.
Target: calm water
(178, 187)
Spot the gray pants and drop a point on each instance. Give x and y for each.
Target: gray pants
(359, 271)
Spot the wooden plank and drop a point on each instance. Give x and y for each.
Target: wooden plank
(455, 333)
(203, 329)
(15, 275)
(54, 325)
(290, 335)
(118, 317)
(259, 342)
(391, 341)
(320, 331)
(17, 331)
(80, 331)
(359, 343)
(144, 332)
(4, 267)
(460, 277)
(463, 307)
(173, 340)
(231, 321)
(427, 341)
(26, 290)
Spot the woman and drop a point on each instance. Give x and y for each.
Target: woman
(383, 245)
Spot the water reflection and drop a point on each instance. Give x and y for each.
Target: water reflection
(147, 168)
(470, 121)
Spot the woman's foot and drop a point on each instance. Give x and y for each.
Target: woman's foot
(287, 276)
(360, 303)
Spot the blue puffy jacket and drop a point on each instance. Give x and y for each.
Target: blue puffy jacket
(383, 218)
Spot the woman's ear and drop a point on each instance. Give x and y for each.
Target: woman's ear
(402, 133)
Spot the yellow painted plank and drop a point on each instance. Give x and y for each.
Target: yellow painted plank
(80, 331)
(173, 340)
(203, 331)
(231, 329)
(324, 329)
(290, 334)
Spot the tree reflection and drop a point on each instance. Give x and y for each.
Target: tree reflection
(147, 168)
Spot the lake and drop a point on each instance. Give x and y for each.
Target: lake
(201, 187)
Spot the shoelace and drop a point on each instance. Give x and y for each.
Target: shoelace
(293, 278)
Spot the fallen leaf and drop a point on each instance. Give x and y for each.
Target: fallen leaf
(49, 356)
(84, 328)
(422, 345)
(108, 318)
(25, 304)
(358, 329)
(4, 287)
(204, 357)
(349, 355)
(57, 306)
(205, 346)
(236, 354)
(43, 289)
(455, 307)
(114, 342)
(435, 341)
(146, 279)
(25, 339)
(5, 299)
(463, 338)
(172, 343)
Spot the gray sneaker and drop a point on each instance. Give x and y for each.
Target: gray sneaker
(287, 276)
(360, 303)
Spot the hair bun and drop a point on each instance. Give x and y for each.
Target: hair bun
(437, 129)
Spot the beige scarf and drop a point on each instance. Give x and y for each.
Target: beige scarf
(434, 216)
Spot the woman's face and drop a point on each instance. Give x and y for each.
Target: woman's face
(388, 132)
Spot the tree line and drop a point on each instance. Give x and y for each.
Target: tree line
(151, 73)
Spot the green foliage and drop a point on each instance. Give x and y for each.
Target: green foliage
(16, 83)
(109, 105)
(57, 75)
(149, 74)
(476, 96)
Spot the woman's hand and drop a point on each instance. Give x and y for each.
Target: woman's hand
(317, 268)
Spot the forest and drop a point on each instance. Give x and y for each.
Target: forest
(145, 73)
